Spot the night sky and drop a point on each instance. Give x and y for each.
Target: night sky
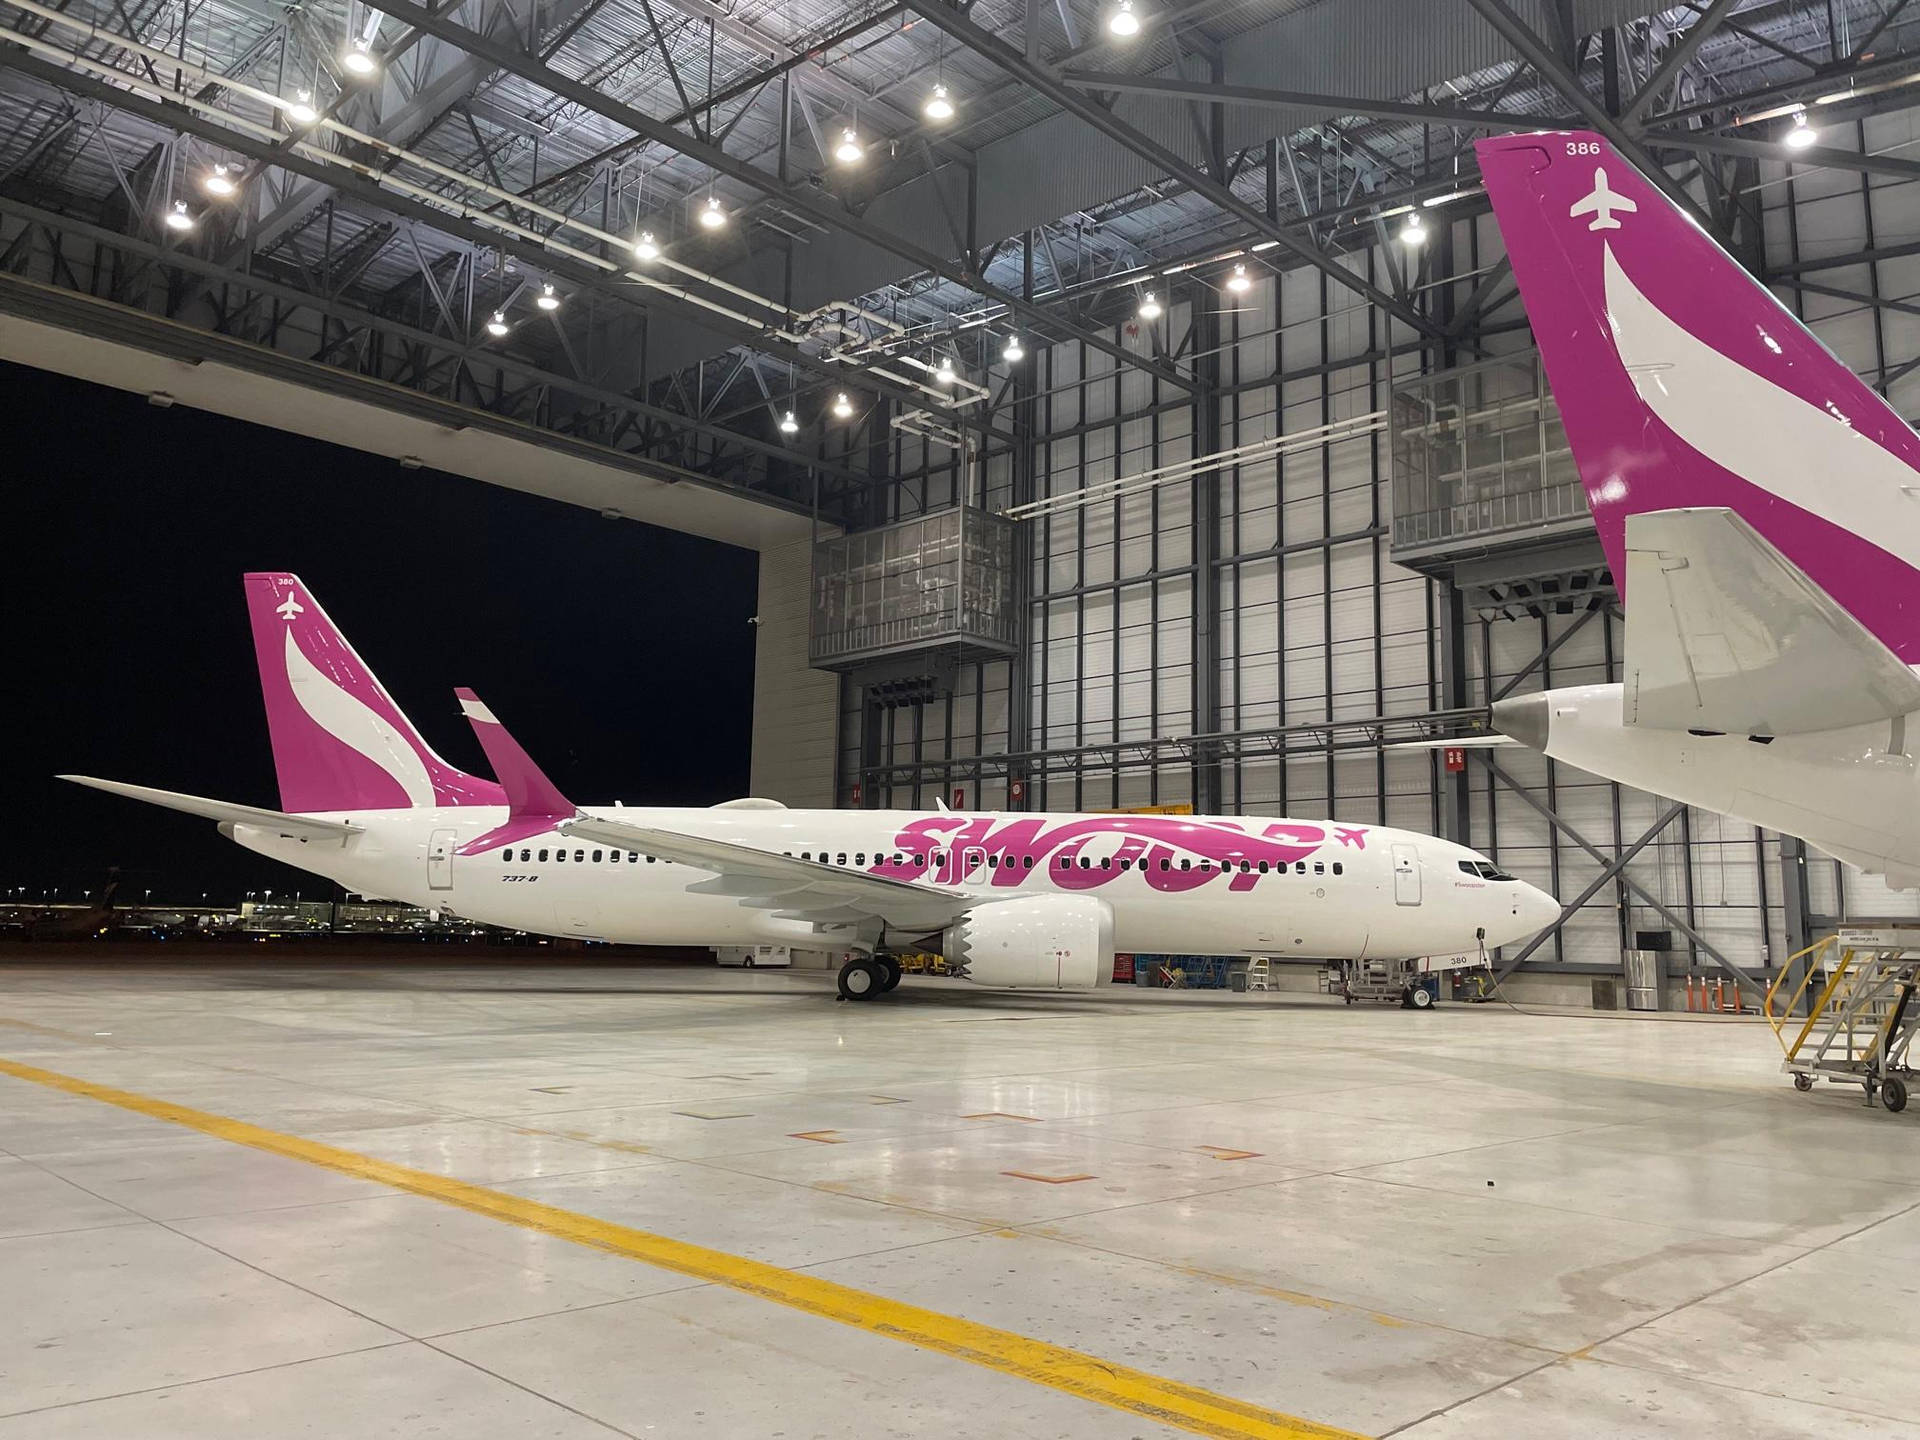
(619, 655)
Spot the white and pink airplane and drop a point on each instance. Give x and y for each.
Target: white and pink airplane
(1011, 900)
(1757, 504)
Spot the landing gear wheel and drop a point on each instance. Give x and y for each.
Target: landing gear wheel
(859, 980)
(1420, 998)
(1893, 1093)
(1803, 1083)
(889, 972)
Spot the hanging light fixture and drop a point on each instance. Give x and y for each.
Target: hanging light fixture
(546, 299)
(1122, 22)
(1015, 351)
(1801, 135)
(1414, 232)
(849, 151)
(1150, 306)
(712, 216)
(1238, 282)
(301, 112)
(842, 407)
(938, 108)
(945, 374)
(789, 425)
(497, 325)
(645, 247)
(178, 218)
(358, 60)
(218, 182)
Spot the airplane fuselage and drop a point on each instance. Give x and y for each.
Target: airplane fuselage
(1198, 885)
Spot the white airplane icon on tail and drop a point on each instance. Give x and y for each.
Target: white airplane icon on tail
(289, 608)
(1601, 204)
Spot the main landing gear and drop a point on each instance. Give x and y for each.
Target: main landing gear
(864, 977)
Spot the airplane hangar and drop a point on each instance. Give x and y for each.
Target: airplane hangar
(1134, 410)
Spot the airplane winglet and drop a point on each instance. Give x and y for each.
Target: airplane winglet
(530, 794)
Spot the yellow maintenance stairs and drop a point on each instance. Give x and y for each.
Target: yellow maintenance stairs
(1861, 1022)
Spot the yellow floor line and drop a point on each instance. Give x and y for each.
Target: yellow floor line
(1168, 1402)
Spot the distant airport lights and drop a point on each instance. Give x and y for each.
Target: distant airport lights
(646, 247)
(712, 215)
(849, 151)
(939, 107)
(789, 425)
(358, 60)
(1150, 306)
(1801, 135)
(301, 111)
(1122, 22)
(547, 300)
(497, 325)
(1238, 282)
(842, 407)
(1015, 351)
(219, 182)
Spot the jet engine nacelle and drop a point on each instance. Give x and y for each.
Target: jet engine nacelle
(1042, 942)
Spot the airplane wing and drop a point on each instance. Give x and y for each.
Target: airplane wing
(1725, 633)
(1585, 205)
(300, 827)
(803, 890)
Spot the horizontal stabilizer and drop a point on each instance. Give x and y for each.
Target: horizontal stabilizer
(1725, 633)
(300, 827)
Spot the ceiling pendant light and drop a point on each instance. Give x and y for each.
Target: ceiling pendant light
(789, 425)
(842, 407)
(301, 111)
(711, 215)
(1238, 282)
(945, 374)
(1414, 232)
(1123, 23)
(1015, 351)
(849, 151)
(178, 218)
(1801, 135)
(938, 108)
(1150, 306)
(646, 248)
(358, 60)
(218, 182)
(497, 325)
(546, 299)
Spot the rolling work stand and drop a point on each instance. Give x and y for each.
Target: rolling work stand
(1860, 1026)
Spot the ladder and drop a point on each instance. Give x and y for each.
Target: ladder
(1860, 1023)
(1259, 976)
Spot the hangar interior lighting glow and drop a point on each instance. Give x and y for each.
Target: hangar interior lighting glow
(1123, 22)
(939, 108)
(547, 300)
(218, 182)
(1801, 135)
(712, 216)
(358, 60)
(842, 407)
(1414, 232)
(178, 218)
(1238, 281)
(945, 374)
(1015, 351)
(497, 325)
(301, 111)
(1149, 306)
(789, 425)
(849, 151)
(646, 247)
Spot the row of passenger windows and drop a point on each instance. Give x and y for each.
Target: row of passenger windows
(921, 861)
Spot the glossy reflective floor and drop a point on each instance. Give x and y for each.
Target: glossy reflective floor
(1470, 1222)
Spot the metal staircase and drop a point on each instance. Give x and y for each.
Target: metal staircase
(1860, 1024)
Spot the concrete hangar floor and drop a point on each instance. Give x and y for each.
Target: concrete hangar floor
(568, 1202)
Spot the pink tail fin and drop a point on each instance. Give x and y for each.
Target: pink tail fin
(1684, 383)
(339, 741)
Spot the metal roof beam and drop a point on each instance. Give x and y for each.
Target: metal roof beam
(1304, 100)
(802, 198)
(1677, 59)
(1042, 80)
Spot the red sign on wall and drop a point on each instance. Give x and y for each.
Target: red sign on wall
(1016, 789)
(959, 801)
(1456, 759)
(856, 792)
(1123, 970)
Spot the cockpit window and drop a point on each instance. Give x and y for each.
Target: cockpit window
(1484, 870)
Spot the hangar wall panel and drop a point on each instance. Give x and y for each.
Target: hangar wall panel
(795, 708)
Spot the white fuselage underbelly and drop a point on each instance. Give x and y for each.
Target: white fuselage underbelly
(1365, 910)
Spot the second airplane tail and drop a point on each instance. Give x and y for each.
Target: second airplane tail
(339, 741)
(1683, 383)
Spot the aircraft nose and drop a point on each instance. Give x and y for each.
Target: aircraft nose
(1538, 909)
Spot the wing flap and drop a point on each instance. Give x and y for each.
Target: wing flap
(802, 889)
(301, 827)
(1725, 633)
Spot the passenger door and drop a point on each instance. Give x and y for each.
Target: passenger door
(440, 848)
(1406, 875)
